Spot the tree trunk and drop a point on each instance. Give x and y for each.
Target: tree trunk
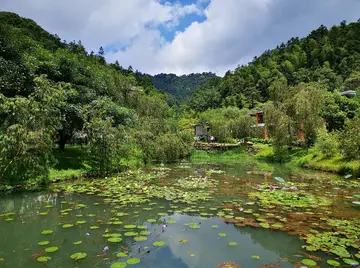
(62, 140)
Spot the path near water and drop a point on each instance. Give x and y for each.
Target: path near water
(196, 216)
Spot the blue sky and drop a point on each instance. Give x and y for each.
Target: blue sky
(212, 35)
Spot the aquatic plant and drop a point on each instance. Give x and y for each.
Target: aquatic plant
(228, 264)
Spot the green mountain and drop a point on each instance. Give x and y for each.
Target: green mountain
(181, 87)
(327, 56)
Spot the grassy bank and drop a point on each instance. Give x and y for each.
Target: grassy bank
(314, 160)
(70, 163)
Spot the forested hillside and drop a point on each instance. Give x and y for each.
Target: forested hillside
(181, 87)
(53, 91)
(328, 56)
(298, 86)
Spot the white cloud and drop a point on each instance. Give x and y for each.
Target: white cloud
(233, 31)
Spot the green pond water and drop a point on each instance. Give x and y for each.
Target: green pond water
(194, 229)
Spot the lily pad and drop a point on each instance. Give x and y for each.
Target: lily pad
(121, 254)
(131, 234)
(170, 221)
(255, 257)
(215, 226)
(145, 232)
(130, 226)
(115, 239)
(118, 265)
(159, 243)
(47, 232)
(308, 262)
(44, 243)
(51, 249)
(78, 256)
(279, 179)
(68, 225)
(43, 259)
(333, 263)
(151, 220)
(222, 234)
(232, 244)
(133, 261)
(140, 238)
(77, 242)
(351, 262)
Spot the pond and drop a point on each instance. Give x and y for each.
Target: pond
(199, 216)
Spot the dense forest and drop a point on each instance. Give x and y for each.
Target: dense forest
(52, 91)
(181, 87)
(298, 86)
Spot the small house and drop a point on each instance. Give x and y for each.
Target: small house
(201, 130)
(348, 93)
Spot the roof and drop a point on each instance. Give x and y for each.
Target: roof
(348, 93)
(256, 112)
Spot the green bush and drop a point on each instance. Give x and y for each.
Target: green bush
(327, 143)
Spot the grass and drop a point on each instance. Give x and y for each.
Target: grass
(70, 163)
(314, 160)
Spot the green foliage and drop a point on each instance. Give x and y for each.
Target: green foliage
(327, 143)
(181, 87)
(27, 127)
(229, 123)
(350, 142)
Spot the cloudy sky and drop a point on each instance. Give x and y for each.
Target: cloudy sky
(183, 36)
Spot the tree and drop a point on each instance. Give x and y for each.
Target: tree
(27, 128)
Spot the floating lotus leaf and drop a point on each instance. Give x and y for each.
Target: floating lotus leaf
(357, 255)
(131, 234)
(115, 235)
(222, 234)
(106, 235)
(130, 226)
(215, 226)
(140, 238)
(78, 256)
(43, 259)
(51, 249)
(68, 225)
(183, 241)
(142, 227)
(43, 213)
(279, 179)
(151, 220)
(170, 221)
(44, 243)
(94, 227)
(194, 225)
(145, 232)
(255, 257)
(351, 262)
(49, 206)
(118, 265)
(159, 243)
(308, 262)
(91, 215)
(239, 218)
(333, 263)
(162, 214)
(115, 239)
(77, 242)
(133, 261)
(121, 254)
(232, 244)
(45, 232)
(80, 222)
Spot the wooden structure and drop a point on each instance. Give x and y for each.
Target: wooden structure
(201, 130)
(215, 146)
(259, 114)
